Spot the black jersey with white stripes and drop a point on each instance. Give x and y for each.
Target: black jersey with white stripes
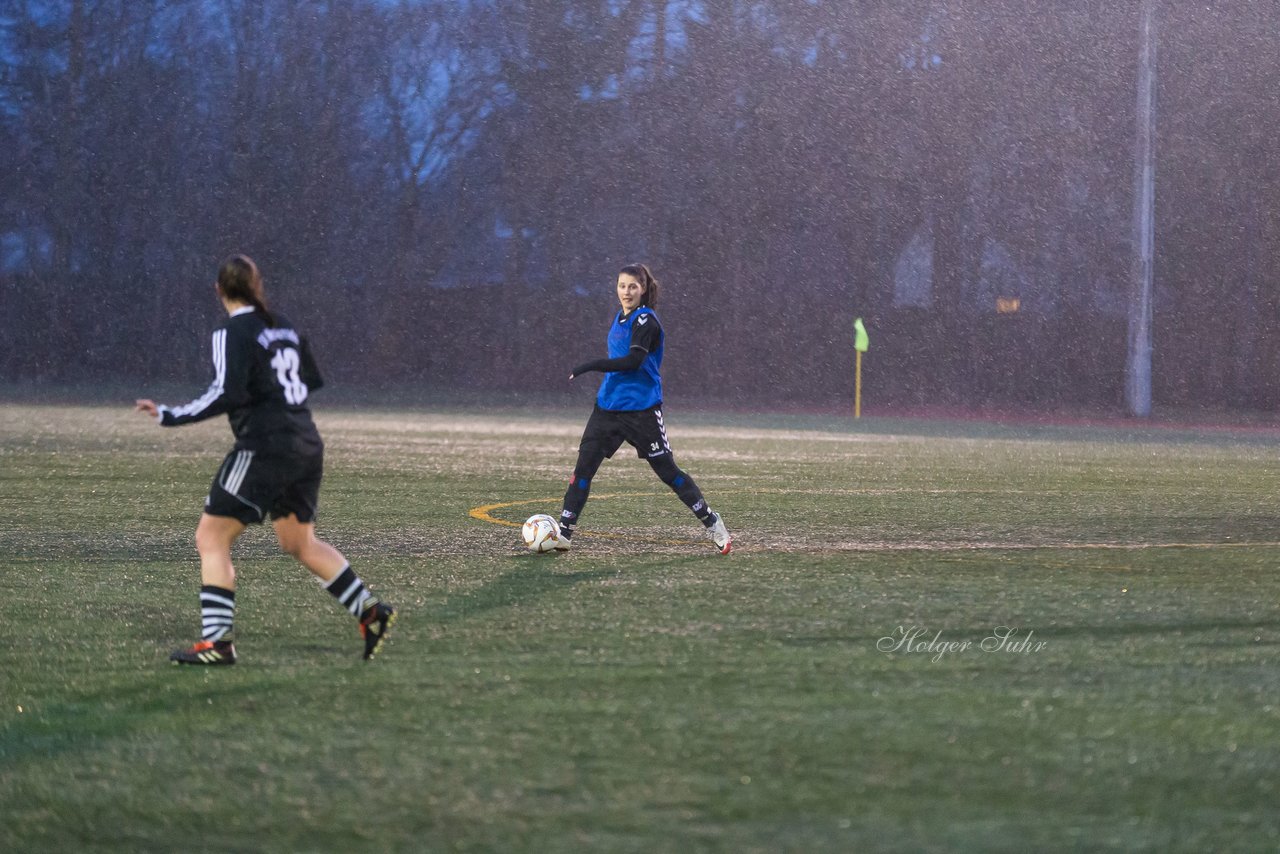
(262, 376)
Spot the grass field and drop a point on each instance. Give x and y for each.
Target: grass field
(824, 688)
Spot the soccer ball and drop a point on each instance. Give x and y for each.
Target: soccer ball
(540, 532)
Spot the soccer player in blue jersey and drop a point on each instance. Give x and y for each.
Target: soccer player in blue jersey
(263, 375)
(629, 408)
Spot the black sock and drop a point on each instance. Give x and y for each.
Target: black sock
(575, 498)
(702, 510)
(217, 612)
(691, 495)
(350, 592)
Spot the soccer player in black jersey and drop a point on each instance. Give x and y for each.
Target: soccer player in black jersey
(263, 374)
(629, 408)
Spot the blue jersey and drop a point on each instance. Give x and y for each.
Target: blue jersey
(629, 391)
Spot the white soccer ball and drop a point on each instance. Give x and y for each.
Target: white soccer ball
(540, 532)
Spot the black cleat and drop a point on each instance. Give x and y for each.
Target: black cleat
(206, 652)
(375, 622)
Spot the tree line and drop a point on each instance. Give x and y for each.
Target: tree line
(443, 191)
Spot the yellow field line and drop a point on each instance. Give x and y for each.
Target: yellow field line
(482, 513)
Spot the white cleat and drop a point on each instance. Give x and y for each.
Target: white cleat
(720, 534)
(562, 543)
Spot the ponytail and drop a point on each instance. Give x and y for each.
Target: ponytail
(646, 278)
(260, 306)
(239, 280)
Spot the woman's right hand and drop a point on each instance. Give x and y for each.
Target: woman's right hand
(147, 406)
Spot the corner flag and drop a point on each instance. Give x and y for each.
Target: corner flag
(859, 344)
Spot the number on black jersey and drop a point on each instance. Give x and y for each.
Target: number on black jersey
(286, 362)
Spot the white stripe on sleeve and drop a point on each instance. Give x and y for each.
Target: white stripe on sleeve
(216, 388)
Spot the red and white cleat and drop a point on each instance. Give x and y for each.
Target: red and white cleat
(720, 534)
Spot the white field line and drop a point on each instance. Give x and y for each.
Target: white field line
(484, 513)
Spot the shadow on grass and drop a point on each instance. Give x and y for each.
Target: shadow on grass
(66, 725)
(515, 586)
(97, 717)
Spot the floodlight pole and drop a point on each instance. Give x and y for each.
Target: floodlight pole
(1137, 373)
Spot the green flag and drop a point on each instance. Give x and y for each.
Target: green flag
(860, 339)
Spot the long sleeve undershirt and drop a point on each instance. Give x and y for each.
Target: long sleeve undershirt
(635, 358)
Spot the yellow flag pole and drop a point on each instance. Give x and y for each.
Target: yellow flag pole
(857, 387)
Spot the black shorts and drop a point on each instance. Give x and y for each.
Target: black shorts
(250, 485)
(644, 429)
